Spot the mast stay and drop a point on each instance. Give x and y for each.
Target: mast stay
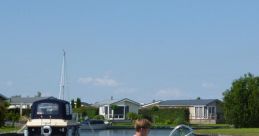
(62, 78)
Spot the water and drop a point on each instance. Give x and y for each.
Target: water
(123, 132)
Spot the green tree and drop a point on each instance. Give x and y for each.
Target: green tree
(2, 113)
(12, 116)
(133, 116)
(72, 103)
(241, 103)
(114, 108)
(78, 103)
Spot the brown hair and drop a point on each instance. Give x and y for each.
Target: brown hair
(142, 123)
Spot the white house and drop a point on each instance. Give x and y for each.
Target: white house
(202, 111)
(123, 107)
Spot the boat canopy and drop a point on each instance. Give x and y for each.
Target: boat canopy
(51, 108)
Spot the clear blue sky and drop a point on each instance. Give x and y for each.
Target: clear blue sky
(142, 50)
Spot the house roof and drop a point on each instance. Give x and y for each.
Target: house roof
(109, 102)
(2, 97)
(29, 100)
(151, 104)
(187, 102)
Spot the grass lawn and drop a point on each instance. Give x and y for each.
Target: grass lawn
(8, 129)
(230, 131)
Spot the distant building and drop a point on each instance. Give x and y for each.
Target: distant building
(23, 102)
(124, 106)
(202, 111)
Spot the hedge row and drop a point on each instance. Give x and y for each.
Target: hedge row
(172, 116)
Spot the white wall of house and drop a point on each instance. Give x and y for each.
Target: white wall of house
(132, 107)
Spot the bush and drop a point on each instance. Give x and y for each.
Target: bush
(91, 112)
(166, 116)
(2, 113)
(179, 120)
(99, 117)
(133, 116)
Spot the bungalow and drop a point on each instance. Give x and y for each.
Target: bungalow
(202, 111)
(123, 107)
(23, 102)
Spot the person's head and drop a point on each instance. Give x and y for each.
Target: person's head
(142, 126)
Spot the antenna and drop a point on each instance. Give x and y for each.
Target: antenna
(62, 78)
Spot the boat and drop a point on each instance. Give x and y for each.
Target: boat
(91, 124)
(51, 117)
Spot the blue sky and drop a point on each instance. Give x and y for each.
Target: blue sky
(142, 50)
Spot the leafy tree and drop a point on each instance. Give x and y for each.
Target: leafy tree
(133, 116)
(14, 117)
(2, 113)
(241, 103)
(91, 112)
(99, 117)
(78, 103)
(72, 103)
(114, 107)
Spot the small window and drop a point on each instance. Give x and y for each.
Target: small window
(67, 109)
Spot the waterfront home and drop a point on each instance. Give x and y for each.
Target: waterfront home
(202, 111)
(123, 107)
(23, 102)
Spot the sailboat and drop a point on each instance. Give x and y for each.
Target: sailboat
(52, 116)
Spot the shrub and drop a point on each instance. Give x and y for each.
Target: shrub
(99, 117)
(166, 115)
(133, 116)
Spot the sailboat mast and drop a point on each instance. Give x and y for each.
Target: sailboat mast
(62, 78)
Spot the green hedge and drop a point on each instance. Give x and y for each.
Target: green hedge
(169, 116)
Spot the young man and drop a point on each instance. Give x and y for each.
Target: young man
(142, 127)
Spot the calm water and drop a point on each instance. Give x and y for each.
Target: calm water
(123, 132)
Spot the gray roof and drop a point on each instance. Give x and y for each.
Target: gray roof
(29, 100)
(108, 102)
(2, 97)
(187, 102)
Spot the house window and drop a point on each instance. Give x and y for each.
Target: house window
(67, 109)
(198, 112)
(205, 112)
(106, 110)
(212, 112)
(126, 109)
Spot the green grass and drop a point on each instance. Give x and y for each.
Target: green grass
(230, 131)
(8, 129)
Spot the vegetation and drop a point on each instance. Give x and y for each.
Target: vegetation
(12, 116)
(90, 112)
(8, 129)
(78, 103)
(99, 117)
(2, 113)
(230, 131)
(241, 103)
(133, 116)
(172, 116)
(72, 103)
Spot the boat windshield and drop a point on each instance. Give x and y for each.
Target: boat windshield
(47, 109)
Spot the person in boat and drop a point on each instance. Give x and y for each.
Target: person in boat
(142, 127)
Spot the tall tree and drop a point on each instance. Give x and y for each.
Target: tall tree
(2, 113)
(72, 103)
(241, 103)
(78, 103)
